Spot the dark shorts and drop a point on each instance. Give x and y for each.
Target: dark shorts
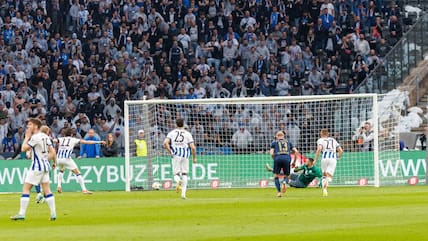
(295, 181)
(281, 163)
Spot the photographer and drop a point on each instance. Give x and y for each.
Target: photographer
(364, 137)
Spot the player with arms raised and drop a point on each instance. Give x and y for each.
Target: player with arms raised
(65, 149)
(179, 143)
(41, 149)
(280, 151)
(331, 151)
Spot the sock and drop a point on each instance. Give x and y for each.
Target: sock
(286, 180)
(50, 199)
(324, 183)
(177, 178)
(37, 187)
(184, 186)
(25, 199)
(60, 176)
(277, 184)
(327, 180)
(81, 181)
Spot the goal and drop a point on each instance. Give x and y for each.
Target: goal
(233, 137)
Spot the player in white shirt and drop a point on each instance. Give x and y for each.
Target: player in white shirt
(51, 157)
(179, 143)
(65, 149)
(331, 151)
(41, 148)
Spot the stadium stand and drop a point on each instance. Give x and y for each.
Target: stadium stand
(74, 63)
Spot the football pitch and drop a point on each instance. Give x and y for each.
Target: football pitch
(348, 213)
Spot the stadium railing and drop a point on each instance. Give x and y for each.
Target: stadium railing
(400, 60)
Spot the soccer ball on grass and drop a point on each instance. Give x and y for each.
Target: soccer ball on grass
(156, 186)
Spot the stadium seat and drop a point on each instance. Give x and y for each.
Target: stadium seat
(200, 150)
(226, 150)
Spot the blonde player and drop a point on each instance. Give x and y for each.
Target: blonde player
(331, 152)
(41, 147)
(47, 131)
(179, 142)
(51, 157)
(65, 149)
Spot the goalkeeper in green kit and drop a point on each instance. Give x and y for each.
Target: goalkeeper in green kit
(310, 172)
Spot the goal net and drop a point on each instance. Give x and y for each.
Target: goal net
(233, 138)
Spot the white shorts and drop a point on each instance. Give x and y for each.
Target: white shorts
(37, 177)
(66, 163)
(328, 165)
(180, 165)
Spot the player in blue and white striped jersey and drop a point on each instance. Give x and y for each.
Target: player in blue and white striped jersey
(65, 149)
(41, 149)
(179, 143)
(52, 157)
(331, 151)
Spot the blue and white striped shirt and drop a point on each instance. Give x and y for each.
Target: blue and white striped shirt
(181, 152)
(329, 154)
(66, 147)
(180, 141)
(329, 147)
(40, 144)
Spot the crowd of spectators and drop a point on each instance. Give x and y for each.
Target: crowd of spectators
(73, 63)
(251, 127)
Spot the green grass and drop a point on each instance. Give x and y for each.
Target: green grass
(387, 213)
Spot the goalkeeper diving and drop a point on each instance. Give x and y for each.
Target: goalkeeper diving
(303, 175)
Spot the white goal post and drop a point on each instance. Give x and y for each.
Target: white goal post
(233, 137)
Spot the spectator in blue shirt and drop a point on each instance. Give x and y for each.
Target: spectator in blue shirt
(191, 94)
(9, 145)
(91, 151)
(327, 19)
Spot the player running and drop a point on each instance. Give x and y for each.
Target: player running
(331, 152)
(280, 151)
(65, 149)
(179, 142)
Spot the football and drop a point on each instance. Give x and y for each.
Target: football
(156, 186)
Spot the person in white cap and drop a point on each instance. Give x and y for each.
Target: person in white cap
(140, 144)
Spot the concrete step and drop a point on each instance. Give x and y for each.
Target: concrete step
(423, 107)
(423, 100)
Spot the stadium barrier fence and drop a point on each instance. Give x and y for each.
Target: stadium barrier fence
(109, 173)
